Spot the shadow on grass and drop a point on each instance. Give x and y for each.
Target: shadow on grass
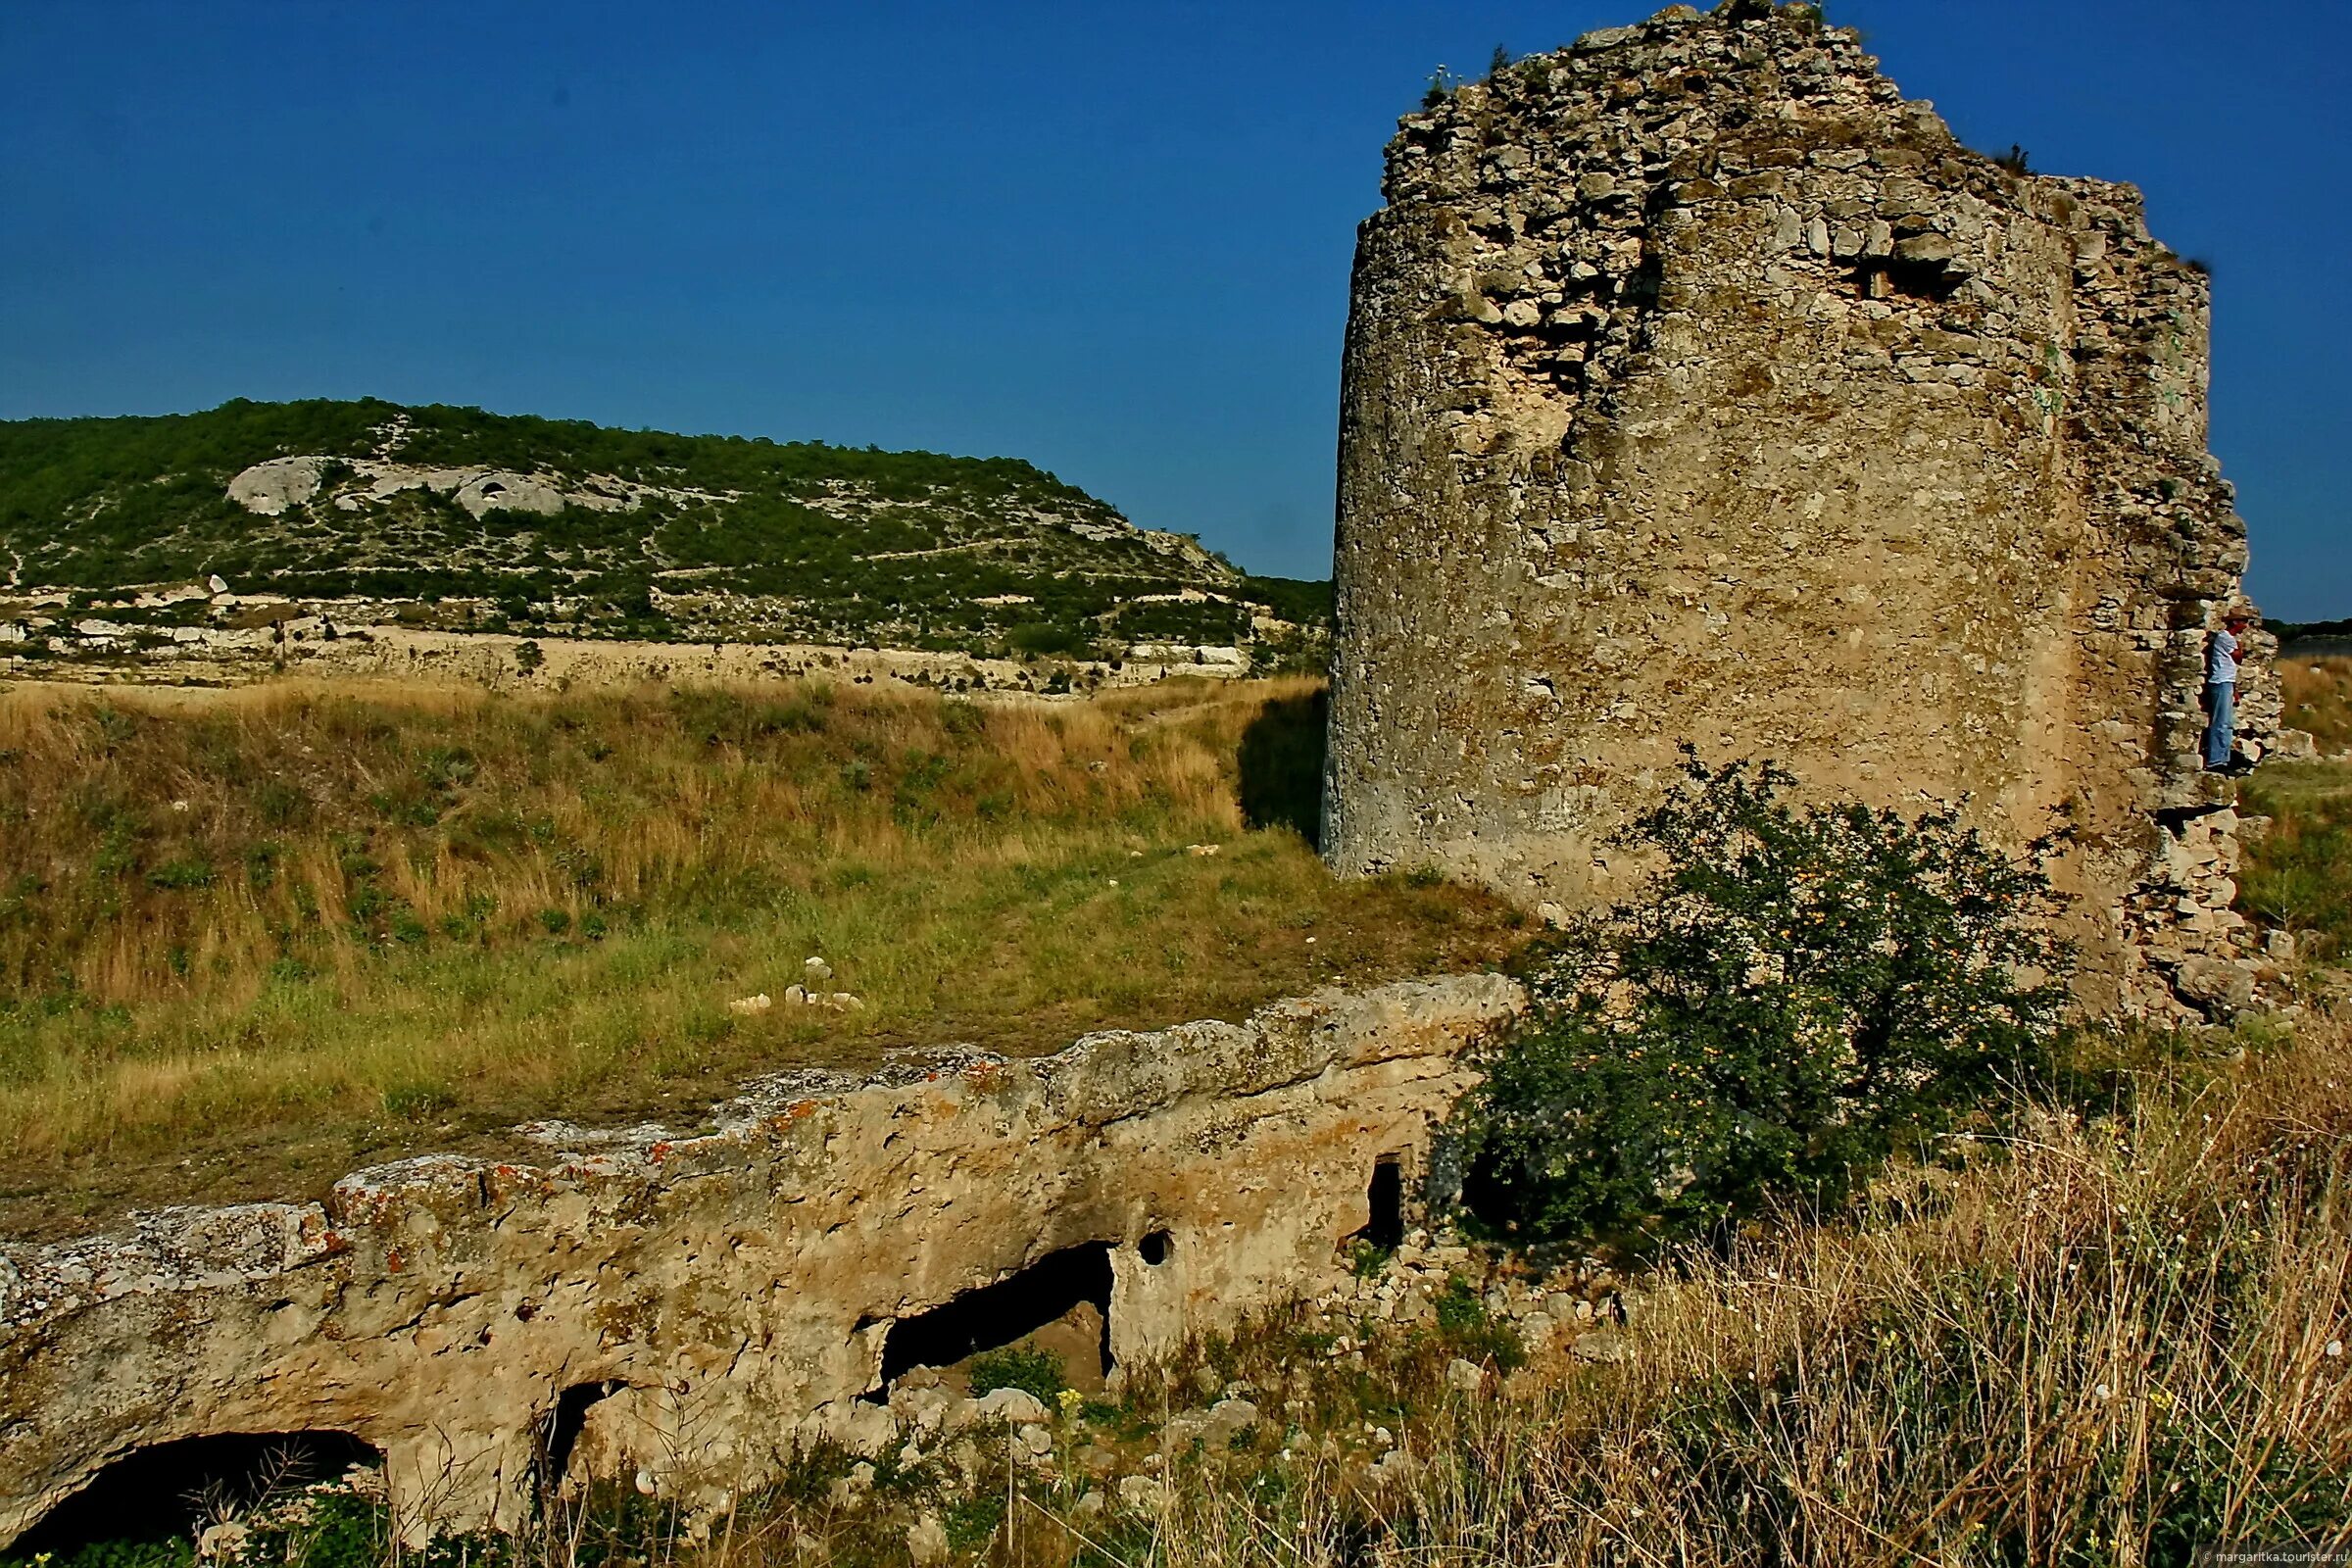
(1281, 766)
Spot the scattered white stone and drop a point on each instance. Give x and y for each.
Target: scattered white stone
(927, 1540)
(1464, 1377)
(746, 1007)
(852, 1488)
(1227, 1418)
(1143, 1493)
(819, 971)
(1002, 1407)
(922, 1410)
(221, 1543)
(1179, 1432)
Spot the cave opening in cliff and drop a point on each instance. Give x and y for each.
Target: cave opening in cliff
(173, 1490)
(1384, 1197)
(1060, 1304)
(560, 1433)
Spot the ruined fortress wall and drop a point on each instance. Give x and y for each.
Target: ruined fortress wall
(723, 1295)
(1700, 388)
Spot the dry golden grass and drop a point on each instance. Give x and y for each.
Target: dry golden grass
(2317, 695)
(250, 941)
(2109, 1342)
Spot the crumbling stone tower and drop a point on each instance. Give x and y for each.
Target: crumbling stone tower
(1698, 387)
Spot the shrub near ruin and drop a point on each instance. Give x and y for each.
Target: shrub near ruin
(1800, 993)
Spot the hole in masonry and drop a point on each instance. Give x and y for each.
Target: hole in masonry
(1386, 1198)
(1060, 1304)
(1886, 278)
(1157, 1248)
(173, 1490)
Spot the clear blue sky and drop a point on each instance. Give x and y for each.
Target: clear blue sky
(1112, 240)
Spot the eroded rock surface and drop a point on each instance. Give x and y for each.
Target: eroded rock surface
(1698, 387)
(680, 1309)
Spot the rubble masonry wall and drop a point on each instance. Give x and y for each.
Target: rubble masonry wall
(1698, 387)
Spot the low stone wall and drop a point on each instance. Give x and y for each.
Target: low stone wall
(696, 1305)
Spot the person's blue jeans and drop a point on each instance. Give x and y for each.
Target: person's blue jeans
(2220, 721)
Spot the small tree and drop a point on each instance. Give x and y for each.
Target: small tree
(1800, 993)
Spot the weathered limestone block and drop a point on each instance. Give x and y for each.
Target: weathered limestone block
(697, 1303)
(1835, 442)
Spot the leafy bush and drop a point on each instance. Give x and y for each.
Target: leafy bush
(1800, 993)
(1467, 1329)
(181, 875)
(1038, 1372)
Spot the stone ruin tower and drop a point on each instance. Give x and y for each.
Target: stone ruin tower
(1698, 387)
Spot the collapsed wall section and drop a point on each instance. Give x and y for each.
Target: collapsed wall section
(681, 1311)
(1700, 388)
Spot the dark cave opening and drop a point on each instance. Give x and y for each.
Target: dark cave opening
(175, 1489)
(997, 1315)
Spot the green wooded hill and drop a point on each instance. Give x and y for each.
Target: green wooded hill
(459, 517)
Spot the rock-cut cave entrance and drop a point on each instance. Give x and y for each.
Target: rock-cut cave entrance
(1060, 1304)
(173, 1490)
(1384, 1197)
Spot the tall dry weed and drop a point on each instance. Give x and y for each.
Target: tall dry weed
(2317, 697)
(2112, 1342)
(248, 940)
(149, 851)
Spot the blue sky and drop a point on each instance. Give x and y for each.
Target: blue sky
(1113, 239)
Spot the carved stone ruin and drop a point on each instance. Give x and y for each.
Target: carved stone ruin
(1698, 387)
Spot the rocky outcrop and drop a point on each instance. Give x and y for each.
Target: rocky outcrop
(1700, 388)
(682, 1307)
(270, 488)
(267, 489)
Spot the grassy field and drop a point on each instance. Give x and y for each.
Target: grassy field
(251, 939)
(2109, 1341)
(2299, 868)
(2317, 695)
(2120, 1334)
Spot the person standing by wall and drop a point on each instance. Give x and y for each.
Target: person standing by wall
(2221, 693)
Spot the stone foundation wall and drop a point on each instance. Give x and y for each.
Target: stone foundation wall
(726, 1295)
(1700, 388)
